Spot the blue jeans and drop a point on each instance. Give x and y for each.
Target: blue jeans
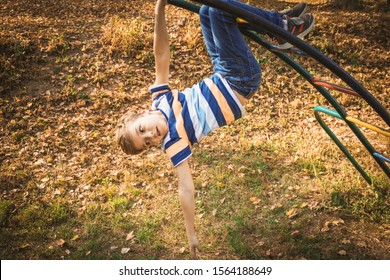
(229, 52)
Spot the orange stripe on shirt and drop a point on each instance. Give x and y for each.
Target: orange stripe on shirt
(176, 148)
(177, 108)
(225, 108)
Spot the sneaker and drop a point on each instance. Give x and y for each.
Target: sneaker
(298, 26)
(296, 11)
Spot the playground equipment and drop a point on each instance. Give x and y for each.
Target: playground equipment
(254, 24)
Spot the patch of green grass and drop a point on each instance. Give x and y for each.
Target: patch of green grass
(203, 156)
(311, 247)
(145, 236)
(59, 212)
(239, 240)
(4, 209)
(120, 204)
(58, 44)
(94, 230)
(93, 249)
(313, 167)
(369, 203)
(35, 221)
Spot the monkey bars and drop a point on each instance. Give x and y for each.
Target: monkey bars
(259, 25)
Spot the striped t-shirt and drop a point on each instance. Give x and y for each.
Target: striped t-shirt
(194, 113)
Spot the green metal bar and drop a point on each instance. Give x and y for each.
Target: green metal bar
(333, 113)
(339, 109)
(382, 157)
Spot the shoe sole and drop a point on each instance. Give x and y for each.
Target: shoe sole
(303, 12)
(286, 45)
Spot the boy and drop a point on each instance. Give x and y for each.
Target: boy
(180, 119)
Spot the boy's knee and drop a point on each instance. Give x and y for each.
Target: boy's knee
(204, 11)
(220, 15)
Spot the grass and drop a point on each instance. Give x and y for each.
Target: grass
(130, 37)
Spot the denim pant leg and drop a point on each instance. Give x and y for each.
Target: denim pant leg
(228, 49)
(208, 33)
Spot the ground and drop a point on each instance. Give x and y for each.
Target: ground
(271, 186)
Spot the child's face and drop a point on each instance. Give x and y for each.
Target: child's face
(148, 130)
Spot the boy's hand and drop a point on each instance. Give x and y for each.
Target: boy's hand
(194, 245)
(160, 6)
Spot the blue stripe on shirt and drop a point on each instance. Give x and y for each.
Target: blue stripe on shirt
(232, 104)
(181, 156)
(188, 125)
(213, 104)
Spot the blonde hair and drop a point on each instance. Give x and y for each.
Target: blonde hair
(123, 138)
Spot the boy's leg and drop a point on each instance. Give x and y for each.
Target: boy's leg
(208, 33)
(229, 50)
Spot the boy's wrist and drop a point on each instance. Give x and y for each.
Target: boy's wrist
(159, 9)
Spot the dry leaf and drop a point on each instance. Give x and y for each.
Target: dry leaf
(260, 243)
(338, 222)
(342, 253)
(255, 200)
(326, 227)
(24, 246)
(74, 238)
(303, 205)
(345, 241)
(182, 250)
(130, 235)
(125, 250)
(291, 213)
(45, 180)
(295, 233)
(361, 244)
(60, 242)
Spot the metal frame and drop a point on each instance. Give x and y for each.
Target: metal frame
(261, 25)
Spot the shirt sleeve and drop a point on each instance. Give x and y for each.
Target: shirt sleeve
(178, 150)
(156, 90)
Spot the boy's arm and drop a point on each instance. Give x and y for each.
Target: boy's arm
(161, 44)
(187, 201)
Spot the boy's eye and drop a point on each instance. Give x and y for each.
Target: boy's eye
(141, 129)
